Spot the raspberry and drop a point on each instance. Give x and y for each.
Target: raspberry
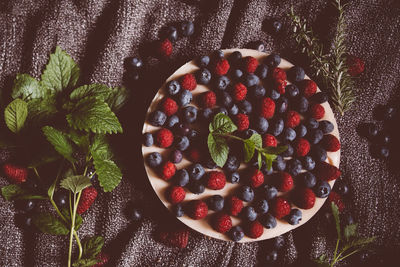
(255, 229)
(335, 198)
(250, 64)
(176, 194)
(242, 122)
(269, 140)
(216, 180)
(317, 111)
(221, 67)
(279, 74)
(326, 171)
(164, 138)
(280, 207)
(239, 92)
(194, 154)
(304, 198)
(175, 238)
(302, 147)
(208, 99)
(168, 170)
(267, 108)
(169, 106)
(103, 259)
(164, 48)
(188, 82)
(330, 143)
(308, 87)
(234, 205)
(292, 119)
(256, 178)
(197, 209)
(355, 65)
(15, 173)
(222, 222)
(284, 182)
(280, 86)
(88, 196)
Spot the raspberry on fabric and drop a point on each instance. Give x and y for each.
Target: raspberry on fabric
(337, 199)
(175, 238)
(15, 173)
(164, 48)
(355, 65)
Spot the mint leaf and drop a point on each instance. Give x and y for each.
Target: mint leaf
(269, 158)
(118, 98)
(13, 191)
(335, 212)
(92, 246)
(78, 218)
(275, 150)
(49, 224)
(15, 115)
(76, 183)
(60, 142)
(218, 149)
(109, 175)
(222, 124)
(100, 149)
(86, 262)
(81, 140)
(99, 91)
(61, 72)
(249, 148)
(350, 231)
(259, 160)
(26, 87)
(41, 109)
(92, 114)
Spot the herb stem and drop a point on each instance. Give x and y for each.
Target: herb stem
(78, 242)
(229, 136)
(348, 255)
(71, 236)
(37, 173)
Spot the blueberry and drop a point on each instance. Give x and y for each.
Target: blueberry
(322, 189)
(221, 82)
(176, 156)
(170, 32)
(203, 76)
(257, 45)
(196, 187)
(271, 256)
(278, 242)
(261, 125)
(203, 61)
(181, 142)
(236, 233)
(265, 170)
(269, 192)
(246, 193)
(225, 99)
(136, 214)
(237, 74)
(277, 127)
(215, 202)
(186, 28)
(372, 130)
(262, 71)
(307, 179)
(182, 129)
(282, 105)
(25, 205)
(301, 104)
(173, 87)
(178, 210)
(294, 167)
(341, 188)
(315, 136)
(289, 134)
(91, 173)
(318, 153)
(218, 54)
(257, 91)
(250, 79)
(232, 164)
(234, 177)
(384, 138)
(61, 198)
(189, 114)
(301, 130)
(276, 26)
(233, 110)
(319, 97)
(135, 63)
(157, 118)
(296, 74)
(206, 114)
(196, 171)
(312, 124)
(210, 164)
(248, 213)
(288, 152)
(23, 221)
(326, 126)
(148, 139)
(274, 95)
(249, 133)
(389, 111)
(279, 164)
(245, 107)
(273, 60)
(308, 163)
(262, 206)
(184, 98)
(234, 58)
(134, 75)
(268, 221)
(193, 134)
(292, 91)
(294, 216)
(172, 121)
(154, 159)
(221, 110)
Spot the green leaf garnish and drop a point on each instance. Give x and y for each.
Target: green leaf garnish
(26, 87)
(222, 124)
(49, 224)
(109, 175)
(60, 142)
(75, 183)
(99, 91)
(218, 148)
(15, 115)
(13, 192)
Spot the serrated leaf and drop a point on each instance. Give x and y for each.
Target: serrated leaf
(86, 262)
(222, 124)
(81, 140)
(92, 246)
(269, 158)
(78, 218)
(76, 183)
(118, 98)
(61, 72)
(41, 110)
(100, 149)
(275, 150)
(13, 192)
(257, 139)
(92, 114)
(335, 212)
(108, 173)
(99, 91)
(49, 224)
(26, 87)
(249, 148)
(15, 115)
(218, 149)
(350, 231)
(60, 142)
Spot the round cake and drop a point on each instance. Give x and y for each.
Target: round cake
(262, 95)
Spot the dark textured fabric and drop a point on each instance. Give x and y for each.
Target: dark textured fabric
(101, 34)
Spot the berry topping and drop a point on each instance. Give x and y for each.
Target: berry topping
(250, 64)
(326, 171)
(317, 111)
(335, 198)
(256, 178)
(221, 67)
(302, 147)
(255, 229)
(208, 99)
(304, 198)
(242, 122)
(308, 87)
(280, 207)
(176, 194)
(164, 138)
(269, 140)
(197, 209)
(292, 119)
(330, 143)
(267, 108)
(169, 106)
(216, 180)
(279, 74)
(188, 82)
(222, 222)
(233, 205)
(284, 181)
(168, 170)
(239, 92)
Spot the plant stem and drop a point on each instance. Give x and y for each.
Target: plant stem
(37, 173)
(71, 236)
(351, 253)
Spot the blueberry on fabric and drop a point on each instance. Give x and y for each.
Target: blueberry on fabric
(135, 63)
(170, 32)
(186, 28)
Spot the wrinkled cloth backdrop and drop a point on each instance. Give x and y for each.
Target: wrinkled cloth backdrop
(101, 34)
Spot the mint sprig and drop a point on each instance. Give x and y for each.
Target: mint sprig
(221, 129)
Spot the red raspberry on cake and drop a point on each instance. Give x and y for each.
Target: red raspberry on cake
(239, 92)
(168, 170)
(176, 238)
(15, 173)
(176, 194)
(292, 119)
(221, 67)
(304, 198)
(164, 48)
(280, 86)
(242, 121)
(326, 171)
(169, 106)
(256, 178)
(255, 229)
(317, 111)
(222, 222)
(302, 147)
(216, 180)
(188, 82)
(234, 205)
(308, 87)
(197, 209)
(208, 99)
(250, 64)
(335, 198)
(164, 138)
(284, 182)
(267, 108)
(330, 143)
(280, 207)
(269, 140)
(355, 65)
(279, 74)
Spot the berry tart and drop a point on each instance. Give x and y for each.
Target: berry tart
(263, 95)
